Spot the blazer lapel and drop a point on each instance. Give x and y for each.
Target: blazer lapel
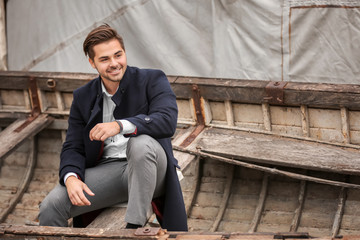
(120, 92)
(96, 112)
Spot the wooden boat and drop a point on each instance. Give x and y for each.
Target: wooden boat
(260, 159)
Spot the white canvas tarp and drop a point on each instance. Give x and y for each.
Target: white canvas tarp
(303, 41)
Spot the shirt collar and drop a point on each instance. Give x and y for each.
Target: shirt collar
(104, 91)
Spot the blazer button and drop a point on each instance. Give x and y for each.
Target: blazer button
(147, 119)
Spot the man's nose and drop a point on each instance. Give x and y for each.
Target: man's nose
(113, 62)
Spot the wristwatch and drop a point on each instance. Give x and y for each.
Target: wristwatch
(120, 125)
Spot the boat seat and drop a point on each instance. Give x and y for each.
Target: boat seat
(114, 218)
(277, 150)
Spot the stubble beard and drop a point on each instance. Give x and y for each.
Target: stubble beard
(115, 79)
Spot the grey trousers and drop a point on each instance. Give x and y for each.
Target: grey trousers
(136, 181)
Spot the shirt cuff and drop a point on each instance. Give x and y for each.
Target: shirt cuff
(128, 127)
(69, 174)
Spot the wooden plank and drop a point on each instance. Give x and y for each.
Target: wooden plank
(65, 82)
(10, 139)
(14, 172)
(236, 90)
(323, 94)
(184, 159)
(8, 231)
(222, 89)
(270, 149)
(24, 183)
(213, 184)
(204, 213)
(112, 218)
(252, 91)
(24, 232)
(272, 170)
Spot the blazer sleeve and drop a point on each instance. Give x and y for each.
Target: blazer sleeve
(160, 120)
(72, 157)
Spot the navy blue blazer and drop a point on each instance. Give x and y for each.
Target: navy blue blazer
(144, 98)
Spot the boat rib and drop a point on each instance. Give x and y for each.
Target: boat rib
(260, 207)
(24, 183)
(225, 199)
(339, 212)
(296, 220)
(196, 183)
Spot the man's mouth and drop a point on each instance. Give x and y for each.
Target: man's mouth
(114, 71)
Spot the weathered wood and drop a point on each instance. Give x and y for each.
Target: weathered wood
(260, 207)
(54, 233)
(226, 195)
(339, 212)
(24, 183)
(197, 183)
(225, 103)
(184, 159)
(3, 45)
(6, 118)
(10, 139)
(296, 219)
(111, 218)
(252, 91)
(269, 149)
(267, 117)
(345, 125)
(314, 94)
(60, 101)
(269, 169)
(64, 82)
(235, 90)
(74, 233)
(58, 124)
(223, 89)
(229, 113)
(305, 120)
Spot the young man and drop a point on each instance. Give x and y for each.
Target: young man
(118, 145)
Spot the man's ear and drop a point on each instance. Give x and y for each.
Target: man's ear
(92, 63)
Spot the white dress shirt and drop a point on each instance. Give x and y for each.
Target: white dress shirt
(114, 147)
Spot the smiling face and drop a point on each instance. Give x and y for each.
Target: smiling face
(110, 61)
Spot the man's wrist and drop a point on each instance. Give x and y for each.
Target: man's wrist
(120, 125)
(69, 174)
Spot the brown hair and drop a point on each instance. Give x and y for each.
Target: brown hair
(98, 35)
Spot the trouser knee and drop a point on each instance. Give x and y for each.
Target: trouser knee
(52, 211)
(141, 147)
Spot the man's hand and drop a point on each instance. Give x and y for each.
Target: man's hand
(102, 131)
(75, 188)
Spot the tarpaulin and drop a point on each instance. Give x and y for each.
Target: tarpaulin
(280, 40)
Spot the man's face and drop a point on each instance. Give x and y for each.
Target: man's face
(109, 60)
